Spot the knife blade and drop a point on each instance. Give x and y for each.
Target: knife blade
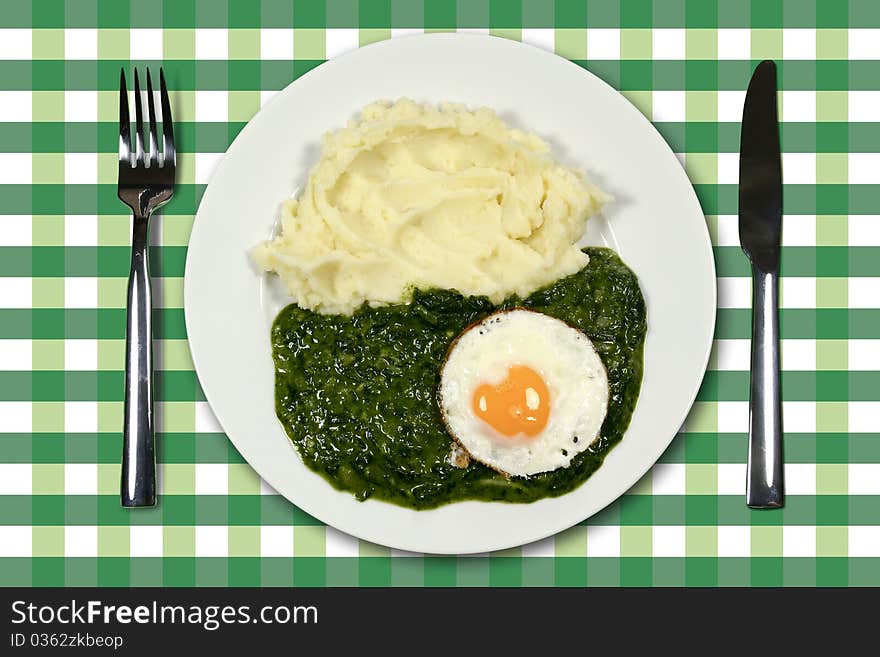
(760, 171)
(760, 235)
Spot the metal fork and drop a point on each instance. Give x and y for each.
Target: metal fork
(145, 185)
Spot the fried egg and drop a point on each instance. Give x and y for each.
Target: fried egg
(523, 392)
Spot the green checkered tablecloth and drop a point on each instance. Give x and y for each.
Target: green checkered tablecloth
(64, 261)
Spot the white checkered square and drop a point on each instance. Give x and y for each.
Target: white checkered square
(862, 105)
(15, 478)
(863, 292)
(799, 230)
(81, 292)
(603, 43)
(798, 541)
(80, 541)
(668, 541)
(734, 44)
(798, 355)
(340, 40)
(81, 168)
(668, 44)
(276, 541)
(145, 540)
(15, 168)
(544, 38)
(864, 43)
(15, 355)
(276, 44)
(730, 105)
(799, 43)
(211, 478)
(15, 106)
(15, 292)
(266, 489)
(212, 106)
(727, 231)
(863, 478)
(733, 416)
(17, 541)
(80, 416)
(340, 544)
(799, 168)
(81, 106)
(15, 43)
(212, 43)
(728, 168)
(80, 478)
(864, 354)
(144, 44)
(16, 230)
(864, 229)
(266, 96)
(864, 416)
(212, 541)
(205, 420)
(864, 168)
(668, 479)
(15, 417)
(800, 478)
(733, 355)
(798, 292)
(205, 163)
(603, 541)
(864, 541)
(81, 230)
(544, 548)
(731, 478)
(799, 416)
(81, 43)
(798, 106)
(734, 292)
(734, 541)
(668, 106)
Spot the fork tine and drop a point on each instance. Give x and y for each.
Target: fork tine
(139, 120)
(151, 111)
(124, 121)
(170, 154)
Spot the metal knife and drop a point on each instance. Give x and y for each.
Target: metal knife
(760, 235)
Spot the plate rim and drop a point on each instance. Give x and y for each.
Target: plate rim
(409, 544)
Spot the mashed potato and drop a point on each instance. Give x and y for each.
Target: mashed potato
(423, 196)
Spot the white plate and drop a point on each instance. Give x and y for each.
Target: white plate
(655, 223)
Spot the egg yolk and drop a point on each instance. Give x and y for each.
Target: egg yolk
(519, 404)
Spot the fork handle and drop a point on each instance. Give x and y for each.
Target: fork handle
(138, 445)
(764, 489)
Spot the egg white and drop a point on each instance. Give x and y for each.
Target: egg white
(566, 360)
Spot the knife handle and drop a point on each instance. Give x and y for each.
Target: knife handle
(764, 479)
